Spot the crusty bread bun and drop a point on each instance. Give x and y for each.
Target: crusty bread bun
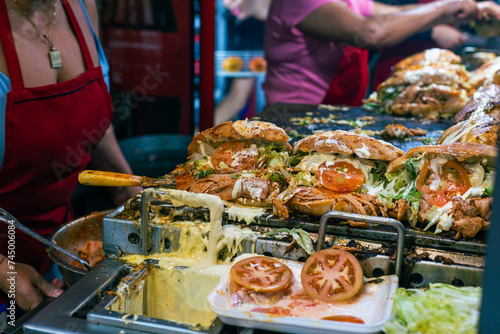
(433, 101)
(240, 130)
(439, 74)
(486, 100)
(429, 56)
(485, 74)
(349, 144)
(481, 130)
(460, 152)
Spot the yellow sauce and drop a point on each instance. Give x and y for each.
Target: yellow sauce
(177, 289)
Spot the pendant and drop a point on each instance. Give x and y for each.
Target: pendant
(55, 58)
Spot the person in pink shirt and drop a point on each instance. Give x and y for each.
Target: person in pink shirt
(304, 38)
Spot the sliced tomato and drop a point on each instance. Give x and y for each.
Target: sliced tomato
(340, 176)
(344, 318)
(452, 180)
(261, 274)
(234, 156)
(332, 275)
(437, 198)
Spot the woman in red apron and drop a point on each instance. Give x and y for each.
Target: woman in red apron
(351, 80)
(50, 131)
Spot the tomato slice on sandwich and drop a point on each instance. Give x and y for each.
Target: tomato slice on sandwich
(340, 176)
(235, 156)
(438, 189)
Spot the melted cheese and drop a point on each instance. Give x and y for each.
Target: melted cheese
(363, 152)
(244, 214)
(178, 289)
(212, 202)
(436, 167)
(242, 185)
(477, 191)
(310, 163)
(233, 238)
(240, 156)
(432, 55)
(447, 76)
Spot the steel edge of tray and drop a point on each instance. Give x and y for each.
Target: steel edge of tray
(65, 313)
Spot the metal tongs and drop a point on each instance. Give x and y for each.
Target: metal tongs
(8, 219)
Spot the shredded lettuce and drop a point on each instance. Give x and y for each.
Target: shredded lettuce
(302, 237)
(487, 192)
(204, 173)
(277, 160)
(295, 160)
(442, 308)
(402, 184)
(304, 179)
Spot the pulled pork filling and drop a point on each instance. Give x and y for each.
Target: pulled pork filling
(364, 204)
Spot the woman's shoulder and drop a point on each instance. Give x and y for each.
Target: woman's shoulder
(90, 7)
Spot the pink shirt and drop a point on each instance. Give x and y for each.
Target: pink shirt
(300, 68)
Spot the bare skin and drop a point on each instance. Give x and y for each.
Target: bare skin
(32, 51)
(387, 26)
(31, 287)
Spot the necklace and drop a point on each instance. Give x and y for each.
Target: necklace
(54, 55)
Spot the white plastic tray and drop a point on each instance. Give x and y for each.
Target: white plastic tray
(373, 306)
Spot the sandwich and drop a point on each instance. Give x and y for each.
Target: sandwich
(238, 161)
(480, 130)
(435, 90)
(448, 186)
(337, 170)
(485, 101)
(478, 122)
(430, 56)
(488, 73)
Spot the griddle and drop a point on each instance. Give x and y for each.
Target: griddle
(281, 113)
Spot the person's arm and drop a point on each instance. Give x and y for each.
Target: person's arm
(384, 9)
(235, 100)
(335, 22)
(30, 287)
(108, 156)
(448, 37)
(488, 9)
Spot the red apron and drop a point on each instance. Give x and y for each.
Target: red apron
(49, 134)
(351, 80)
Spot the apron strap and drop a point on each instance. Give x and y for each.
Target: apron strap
(79, 35)
(9, 49)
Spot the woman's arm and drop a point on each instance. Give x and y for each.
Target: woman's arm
(235, 100)
(335, 22)
(384, 9)
(109, 157)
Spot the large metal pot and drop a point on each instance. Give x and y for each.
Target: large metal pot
(71, 237)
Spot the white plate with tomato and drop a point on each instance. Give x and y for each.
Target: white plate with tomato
(326, 293)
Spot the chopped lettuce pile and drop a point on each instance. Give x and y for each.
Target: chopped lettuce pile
(442, 308)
